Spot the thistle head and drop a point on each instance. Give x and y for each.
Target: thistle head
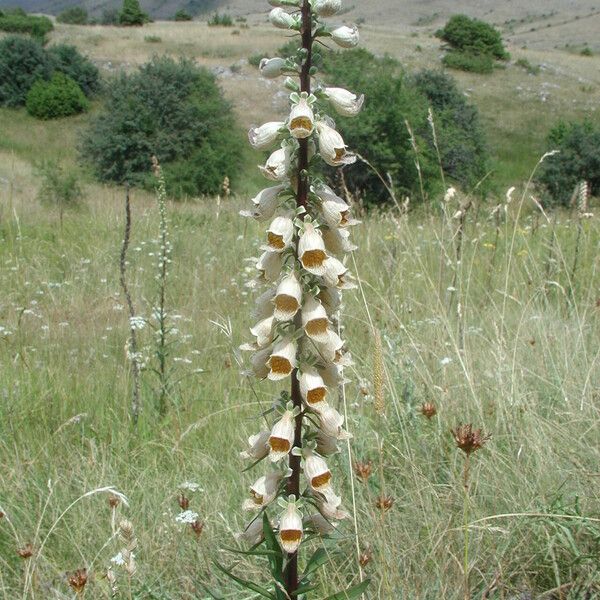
(469, 440)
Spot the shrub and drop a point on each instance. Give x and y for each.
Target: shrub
(17, 21)
(218, 20)
(110, 16)
(467, 61)
(152, 39)
(132, 15)
(188, 126)
(578, 160)
(392, 99)
(59, 97)
(60, 188)
(22, 62)
(182, 15)
(75, 15)
(473, 36)
(68, 60)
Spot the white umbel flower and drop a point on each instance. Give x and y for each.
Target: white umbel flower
(302, 119)
(263, 491)
(314, 320)
(288, 298)
(280, 234)
(265, 136)
(271, 68)
(311, 250)
(269, 265)
(331, 422)
(345, 102)
(282, 361)
(257, 446)
(265, 203)
(337, 241)
(277, 166)
(313, 388)
(281, 437)
(290, 528)
(332, 146)
(263, 332)
(317, 473)
(326, 8)
(337, 275)
(346, 37)
(281, 19)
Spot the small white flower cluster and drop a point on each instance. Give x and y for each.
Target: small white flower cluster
(303, 268)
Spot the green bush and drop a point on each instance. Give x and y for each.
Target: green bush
(392, 98)
(132, 15)
(68, 60)
(110, 16)
(467, 61)
(473, 36)
(218, 20)
(182, 15)
(75, 15)
(17, 21)
(59, 188)
(189, 127)
(22, 62)
(578, 160)
(59, 97)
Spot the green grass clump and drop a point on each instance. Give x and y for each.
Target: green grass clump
(220, 20)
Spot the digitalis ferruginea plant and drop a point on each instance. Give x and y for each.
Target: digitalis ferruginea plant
(302, 269)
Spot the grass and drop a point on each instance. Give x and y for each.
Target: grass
(521, 361)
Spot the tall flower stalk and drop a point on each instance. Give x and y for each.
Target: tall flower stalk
(303, 268)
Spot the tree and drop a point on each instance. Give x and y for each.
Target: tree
(131, 14)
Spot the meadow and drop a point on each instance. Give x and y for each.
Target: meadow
(489, 311)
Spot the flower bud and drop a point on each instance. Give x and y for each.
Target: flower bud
(281, 19)
(346, 37)
(271, 68)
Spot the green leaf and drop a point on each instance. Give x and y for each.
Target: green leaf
(244, 583)
(354, 592)
(250, 552)
(276, 560)
(317, 560)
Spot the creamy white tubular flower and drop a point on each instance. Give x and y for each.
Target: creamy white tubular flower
(317, 473)
(282, 361)
(314, 320)
(277, 165)
(313, 388)
(331, 422)
(281, 19)
(346, 37)
(253, 534)
(320, 524)
(331, 348)
(258, 362)
(290, 528)
(281, 437)
(333, 375)
(264, 304)
(302, 120)
(280, 234)
(288, 298)
(263, 332)
(331, 299)
(311, 250)
(345, 102)
(271, 68)
(265, 136)
(326, 444)
(263, 491)
(265, 203)
(337, 275)
(326, 8)
(337, 241)
(332, 146)
(269, 265)
(336, 212)
(257, 446)
(330, 507)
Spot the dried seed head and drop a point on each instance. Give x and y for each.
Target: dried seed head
(468, 439)
(113, 501)
(184, 501)
(378, 376)
(365, 557)
(197, 527)
(26, 551)
(384, 503)
(363, 470)
(77, 580)
(428, 410)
